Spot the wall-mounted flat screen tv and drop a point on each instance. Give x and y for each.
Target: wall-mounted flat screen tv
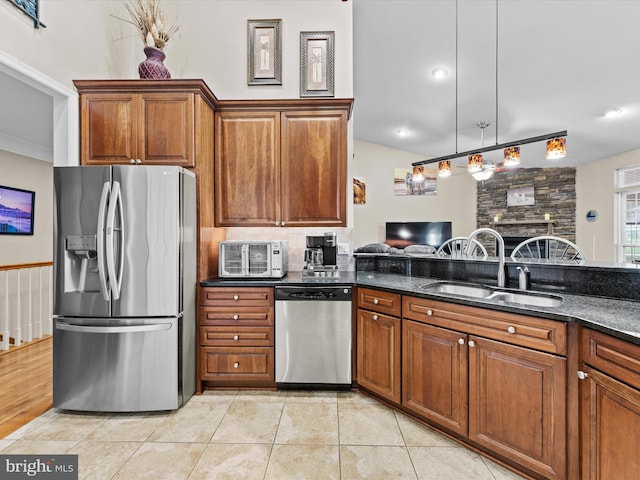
(403, 234)
(16, 211)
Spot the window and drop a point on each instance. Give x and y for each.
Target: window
(628, 201)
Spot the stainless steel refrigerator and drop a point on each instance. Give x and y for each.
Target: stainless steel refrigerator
(124, 288)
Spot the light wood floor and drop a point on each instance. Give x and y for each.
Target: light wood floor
(26, 383)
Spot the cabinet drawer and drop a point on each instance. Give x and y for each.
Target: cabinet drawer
(237, 316)
(237, 364)
(379, 301)
(611, 355)
(236, 336)
(541, 334)
(242, 296)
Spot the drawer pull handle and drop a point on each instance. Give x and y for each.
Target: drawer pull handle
(461, 341)
(375, 317)
(235, 317)
(236, 297)
(236, 337)
(376, 301)
(236, 365)
(472, 343)
(429, 312)
(582, 375)
(511, 329)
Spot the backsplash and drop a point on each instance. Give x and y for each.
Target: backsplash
(297, 241)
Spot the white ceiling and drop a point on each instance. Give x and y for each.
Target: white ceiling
(560, 65)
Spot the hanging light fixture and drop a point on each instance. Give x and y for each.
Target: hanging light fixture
(511, 156)
(556, 145)
(444, 168)
(556, 148)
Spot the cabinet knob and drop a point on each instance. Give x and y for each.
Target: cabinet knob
(375, 317)
(376, 301)
(236, 337)
(582, 375)
(282, 224)
(472, 343)
(236, 297)
(511, 329)
(429, 312)
(132, 161)
(138, 161)
(236, 365)
(236, 317)
(277, 223)
(461, 341)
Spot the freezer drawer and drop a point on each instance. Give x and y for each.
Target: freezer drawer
(116, 365)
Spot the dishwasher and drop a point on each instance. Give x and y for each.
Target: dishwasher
(313, 337)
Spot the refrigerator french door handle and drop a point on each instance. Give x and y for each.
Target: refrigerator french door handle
(115, 276)
(121, 329)
(102, 267)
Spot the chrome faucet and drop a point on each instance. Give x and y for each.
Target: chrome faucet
(500, 252)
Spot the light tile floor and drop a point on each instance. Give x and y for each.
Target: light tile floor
(255, 435)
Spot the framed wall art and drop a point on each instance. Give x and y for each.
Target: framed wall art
(316, 64)
(16, 211)
(264, 51)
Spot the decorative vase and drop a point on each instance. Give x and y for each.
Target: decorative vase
(152, 68)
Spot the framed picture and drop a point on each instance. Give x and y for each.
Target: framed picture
(316, 64)
(16, 211)
(415, 181)
(520, 196)
(264, 63)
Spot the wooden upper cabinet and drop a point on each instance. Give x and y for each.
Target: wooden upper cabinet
(314, 168)
(247, 163)
(133, 121)
(282, 163)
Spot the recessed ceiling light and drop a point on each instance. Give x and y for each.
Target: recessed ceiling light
(439, 73)
(612, 113)
(402, 133)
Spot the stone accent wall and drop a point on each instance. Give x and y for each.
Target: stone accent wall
(554, 193)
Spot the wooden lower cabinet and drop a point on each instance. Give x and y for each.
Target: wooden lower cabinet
(609, 408)
(236, 338)
(378, 354)
(517, 405)
(434, 374)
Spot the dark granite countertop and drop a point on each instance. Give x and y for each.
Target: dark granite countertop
(619, 318)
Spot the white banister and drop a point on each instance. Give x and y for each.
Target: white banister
(20, 323)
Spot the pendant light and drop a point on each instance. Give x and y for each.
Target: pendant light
(511, 156)
(556, 148)
(444, 168)
(556, 143)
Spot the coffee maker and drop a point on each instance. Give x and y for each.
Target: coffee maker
(321, 255)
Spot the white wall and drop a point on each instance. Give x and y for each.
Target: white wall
(455, 200)
(29, 174)
(595, 191)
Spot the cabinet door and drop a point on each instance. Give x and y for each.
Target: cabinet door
(434, 374)
(247, 162)
(610, 422)
(314, 168)
(166, 129)
(517, 402)
(379, 354)
(108, 129)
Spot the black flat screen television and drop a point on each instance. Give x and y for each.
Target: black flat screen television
(16, 211)
(403, 234)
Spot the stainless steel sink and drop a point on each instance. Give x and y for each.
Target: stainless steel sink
(475, 291)
(531, 299)
(479, 291)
